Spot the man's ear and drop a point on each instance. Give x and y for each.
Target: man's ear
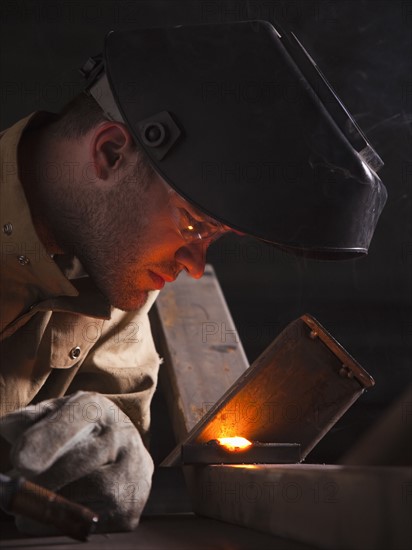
(111, 147)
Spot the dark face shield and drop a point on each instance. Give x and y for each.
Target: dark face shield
(239, 121)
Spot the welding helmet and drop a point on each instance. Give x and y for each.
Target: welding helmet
(237, 118)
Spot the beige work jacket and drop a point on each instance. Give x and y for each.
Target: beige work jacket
(58, 333)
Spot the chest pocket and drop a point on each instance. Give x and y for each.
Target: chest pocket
(70, 338)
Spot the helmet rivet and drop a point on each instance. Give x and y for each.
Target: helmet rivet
(154, 134)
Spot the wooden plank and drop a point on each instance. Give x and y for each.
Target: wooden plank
(197, 338)
(330, 507)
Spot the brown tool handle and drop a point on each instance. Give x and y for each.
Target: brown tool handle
(42, 505)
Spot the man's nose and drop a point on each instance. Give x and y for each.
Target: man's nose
(193, 258)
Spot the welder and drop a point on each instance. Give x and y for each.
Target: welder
(181, 135)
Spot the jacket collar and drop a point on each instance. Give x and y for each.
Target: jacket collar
(29, 275)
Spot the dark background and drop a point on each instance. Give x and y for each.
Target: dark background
(364, 48)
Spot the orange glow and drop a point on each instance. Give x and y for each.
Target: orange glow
(245, 466)
(234, 443)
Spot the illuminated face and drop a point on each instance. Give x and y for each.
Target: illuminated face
(130, 230)
(136, 242)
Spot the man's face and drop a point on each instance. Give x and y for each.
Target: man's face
(130, 230)
(128, 237)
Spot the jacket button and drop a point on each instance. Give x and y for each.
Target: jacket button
(8, 228)
(75, 352)
(23, 260)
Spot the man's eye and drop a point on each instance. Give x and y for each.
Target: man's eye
(191, 228)
(189, 223)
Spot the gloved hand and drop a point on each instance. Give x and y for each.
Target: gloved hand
(86, 449)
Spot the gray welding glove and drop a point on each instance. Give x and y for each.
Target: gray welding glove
(86, 449)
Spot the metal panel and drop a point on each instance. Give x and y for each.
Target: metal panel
(293, 393)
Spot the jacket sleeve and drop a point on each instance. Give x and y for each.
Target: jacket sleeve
(123, 365)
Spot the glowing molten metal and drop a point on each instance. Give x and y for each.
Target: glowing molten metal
(234, 443)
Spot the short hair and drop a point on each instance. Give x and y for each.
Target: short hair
(82, 114)
(78, 117)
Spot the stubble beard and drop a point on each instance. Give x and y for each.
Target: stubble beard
(98, 231)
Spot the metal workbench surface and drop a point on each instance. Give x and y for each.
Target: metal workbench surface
(168, 532)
